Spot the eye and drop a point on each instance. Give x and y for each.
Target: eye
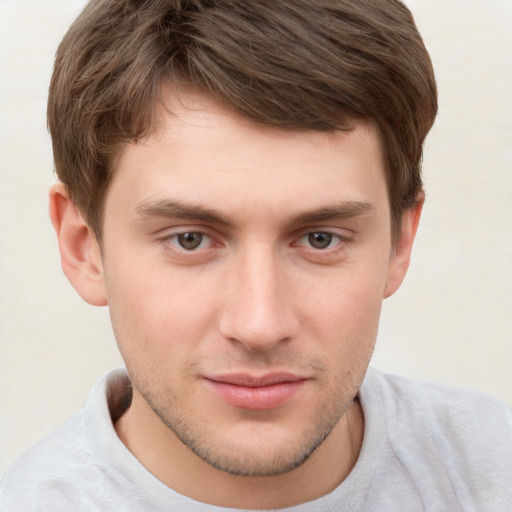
(320, 239)
(190, 240)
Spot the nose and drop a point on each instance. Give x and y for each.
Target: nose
(258, 309)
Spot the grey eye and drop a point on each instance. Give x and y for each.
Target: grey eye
(190, 241)
(319, 239)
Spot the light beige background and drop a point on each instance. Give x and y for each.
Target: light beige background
(452, 320)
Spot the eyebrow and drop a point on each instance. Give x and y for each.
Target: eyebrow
(345, 210)
(177, 210)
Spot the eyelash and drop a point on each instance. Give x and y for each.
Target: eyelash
(169, 239)
(336, 240)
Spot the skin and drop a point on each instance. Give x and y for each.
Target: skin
(294, 258)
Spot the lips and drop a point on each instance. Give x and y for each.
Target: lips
(247, 391)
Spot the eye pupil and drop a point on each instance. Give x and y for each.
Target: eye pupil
(320, 240)
(190, 241)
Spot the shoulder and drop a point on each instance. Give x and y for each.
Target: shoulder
(456, 439)
(453, 407)
(58, 469)
(45, 465)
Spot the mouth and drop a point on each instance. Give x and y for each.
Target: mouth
(252, 392)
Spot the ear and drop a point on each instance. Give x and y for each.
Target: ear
(399, 262)
(79, 250)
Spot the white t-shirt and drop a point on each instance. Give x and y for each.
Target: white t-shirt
(426, 448)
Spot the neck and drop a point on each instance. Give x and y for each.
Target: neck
(173, 463)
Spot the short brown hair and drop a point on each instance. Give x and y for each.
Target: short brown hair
(297, 64)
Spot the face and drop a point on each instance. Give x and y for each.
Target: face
(244, 267)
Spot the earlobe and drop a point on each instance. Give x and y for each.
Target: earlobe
(79, 250)
(399, 262)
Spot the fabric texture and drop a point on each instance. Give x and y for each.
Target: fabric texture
(426, 448)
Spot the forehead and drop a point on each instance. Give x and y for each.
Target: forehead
(203, 151)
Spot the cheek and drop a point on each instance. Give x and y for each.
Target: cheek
(345, 313)
(153, 306)
(349, 298)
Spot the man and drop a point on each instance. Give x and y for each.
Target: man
(240, 184)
